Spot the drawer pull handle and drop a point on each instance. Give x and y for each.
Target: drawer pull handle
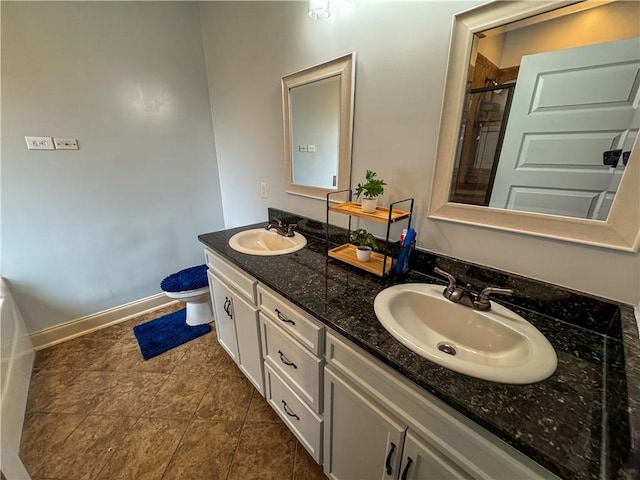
(389, 455)
(405, 472)
(286, 361)
(227, 307)
(285, 407)
(284, 319)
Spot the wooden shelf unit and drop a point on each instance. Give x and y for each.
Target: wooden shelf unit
(380, 263)
(381, 214)
(347, 254)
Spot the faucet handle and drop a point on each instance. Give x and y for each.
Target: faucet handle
(452, 280)
(482, 300)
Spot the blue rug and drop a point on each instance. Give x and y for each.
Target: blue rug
(164, 333)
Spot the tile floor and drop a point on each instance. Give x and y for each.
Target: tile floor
(97, 410)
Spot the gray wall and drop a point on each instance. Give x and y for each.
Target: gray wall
(315, 120)
(402, 52)
(87, 230)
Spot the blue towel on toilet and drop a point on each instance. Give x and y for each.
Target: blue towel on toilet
(188, 279)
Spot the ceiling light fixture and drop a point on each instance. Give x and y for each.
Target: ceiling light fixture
(319, 9)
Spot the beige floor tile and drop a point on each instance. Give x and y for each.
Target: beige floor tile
(179, 396)
(261, 411)
(227, 398)
(81, 395)
(129, 395)
(82, 414)
(205, 452)
(85, 452)
(203, 356)
(125, 356)
(42, 436)
(266, 451)
(227, 367)
(76, 354)
(306, 467)
(146, 450)
(210, 339)
(46, 384)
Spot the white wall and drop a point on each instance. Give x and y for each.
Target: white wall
(402, 51)
(87, 230)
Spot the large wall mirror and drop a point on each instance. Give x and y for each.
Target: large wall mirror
(317, 107)
(540, 121)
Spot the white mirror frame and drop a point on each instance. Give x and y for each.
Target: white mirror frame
(345, 68)
(621, 230)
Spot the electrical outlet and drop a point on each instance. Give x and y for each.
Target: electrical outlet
(66, 143)
(263, 190)
(312, 148)
(39, 143)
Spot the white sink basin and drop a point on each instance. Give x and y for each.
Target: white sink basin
(266, 242)
(497, 345)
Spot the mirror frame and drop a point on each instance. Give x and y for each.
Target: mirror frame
(344, 67)
(621, 229)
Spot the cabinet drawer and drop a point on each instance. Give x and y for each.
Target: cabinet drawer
(234, 277)
(300, 325)
(305, 424)
(299, 368)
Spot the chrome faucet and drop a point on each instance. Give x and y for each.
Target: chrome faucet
(281, 228)
(464, 296)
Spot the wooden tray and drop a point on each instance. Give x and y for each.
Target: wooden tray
(347, 253)
(381, 214)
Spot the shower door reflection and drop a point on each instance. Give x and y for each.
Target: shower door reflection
(486, 113)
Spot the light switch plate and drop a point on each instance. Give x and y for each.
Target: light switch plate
(66, 143)
(39, 143)
(312, 148)
(302, 148)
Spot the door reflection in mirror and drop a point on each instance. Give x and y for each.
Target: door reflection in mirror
(540, 110)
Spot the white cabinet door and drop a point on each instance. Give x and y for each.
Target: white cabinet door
(361, 439)
(225, 326)
(238, 329)
(247, 326)
(421, 462)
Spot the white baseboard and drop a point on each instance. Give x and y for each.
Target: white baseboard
(81, 326)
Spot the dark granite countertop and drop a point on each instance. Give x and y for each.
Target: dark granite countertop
(581, 423)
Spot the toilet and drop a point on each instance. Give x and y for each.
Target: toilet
(191, 286)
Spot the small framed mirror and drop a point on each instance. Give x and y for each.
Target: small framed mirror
(317, 109)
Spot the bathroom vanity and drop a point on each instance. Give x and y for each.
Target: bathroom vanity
(303, 330)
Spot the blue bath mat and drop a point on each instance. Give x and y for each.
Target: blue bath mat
(164, 333)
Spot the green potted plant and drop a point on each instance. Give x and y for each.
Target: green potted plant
(365, 242)
(370, 191)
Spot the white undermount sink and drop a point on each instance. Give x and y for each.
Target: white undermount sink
(260, 241)
(496, 345)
